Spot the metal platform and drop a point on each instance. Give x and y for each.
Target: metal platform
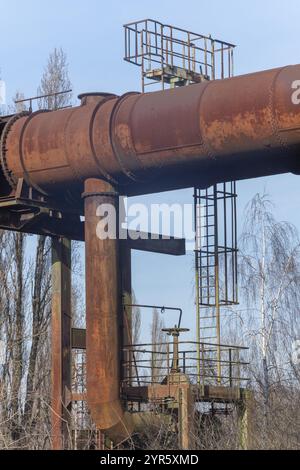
(172, 56)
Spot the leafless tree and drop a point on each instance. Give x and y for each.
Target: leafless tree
(55, 79)
(270, 274)
(159, 348)
(135, 322)
(25, 273)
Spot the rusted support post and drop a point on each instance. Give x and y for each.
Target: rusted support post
(126, 312)
(244, 412)
(61, 343)
(102, 304)
(185, 418)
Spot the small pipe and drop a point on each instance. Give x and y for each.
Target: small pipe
(161, 308)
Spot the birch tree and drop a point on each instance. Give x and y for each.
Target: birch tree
(55, 79)
(270, 277)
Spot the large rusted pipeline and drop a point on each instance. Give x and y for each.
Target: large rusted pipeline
(220, 130)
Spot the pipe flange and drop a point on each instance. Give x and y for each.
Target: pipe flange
(114, 146)
(103, 171)
(12, 181)
(25, 172)
(100, 193)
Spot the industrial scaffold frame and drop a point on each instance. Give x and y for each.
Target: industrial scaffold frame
(57, 167)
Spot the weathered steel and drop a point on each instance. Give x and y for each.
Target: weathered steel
(186, 418)
(102, 311)
(242, 127)
(78, 338)
(126, 312)
(61, 343)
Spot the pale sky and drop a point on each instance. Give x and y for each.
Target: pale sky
(91, 33)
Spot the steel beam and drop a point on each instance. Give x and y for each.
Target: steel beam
(71, 227)
(157, 244)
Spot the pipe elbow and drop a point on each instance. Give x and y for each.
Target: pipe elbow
(105, 415)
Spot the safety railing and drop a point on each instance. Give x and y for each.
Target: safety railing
(150, 364)
(158, 47)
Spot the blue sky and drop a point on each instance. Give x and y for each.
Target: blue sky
(90, 32)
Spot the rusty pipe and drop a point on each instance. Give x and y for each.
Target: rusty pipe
(103, 315)
(237, 128)
(102, 310)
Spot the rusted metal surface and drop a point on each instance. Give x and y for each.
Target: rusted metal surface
(102, 311)
(61, 343)
(221, 130)
(186, 418)
(126, 313)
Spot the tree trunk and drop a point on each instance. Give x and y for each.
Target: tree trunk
(38, 322)
(17, 346)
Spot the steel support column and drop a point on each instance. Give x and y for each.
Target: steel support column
(126, 309)
(103, 299)
(61, 343)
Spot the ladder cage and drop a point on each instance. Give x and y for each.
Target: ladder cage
(216, 245)
(215, 269)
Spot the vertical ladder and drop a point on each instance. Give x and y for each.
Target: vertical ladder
(207, 286)
(215, 270)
